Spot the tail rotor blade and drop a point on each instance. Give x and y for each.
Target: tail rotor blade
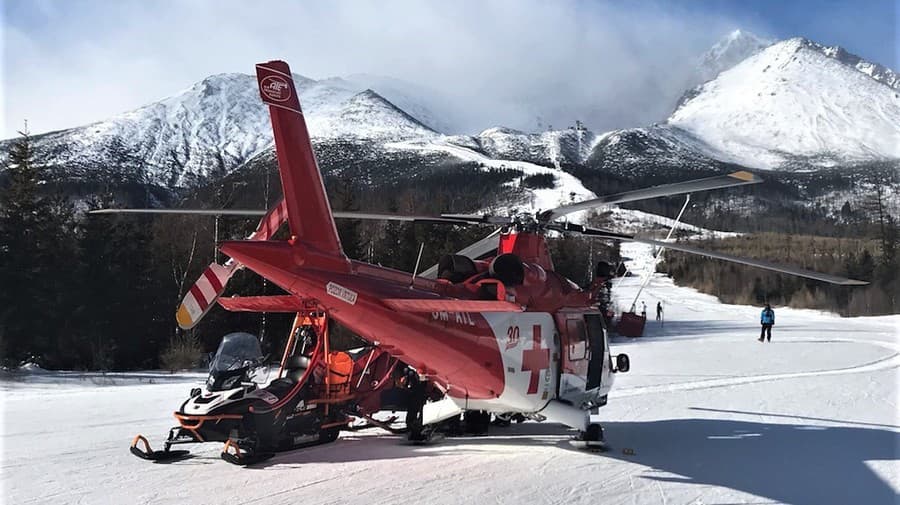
(204, 293)
(269, 224)
(211, 284)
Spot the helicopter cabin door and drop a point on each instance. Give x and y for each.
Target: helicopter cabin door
(581, 354)
(596, 330)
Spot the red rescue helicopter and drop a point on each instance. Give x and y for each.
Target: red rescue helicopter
(490, 330)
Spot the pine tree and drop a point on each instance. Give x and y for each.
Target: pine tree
(100, 304)
(18, 248)
(349, 229)
(36, 248)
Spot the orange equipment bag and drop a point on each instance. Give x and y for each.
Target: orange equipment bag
(340, 369)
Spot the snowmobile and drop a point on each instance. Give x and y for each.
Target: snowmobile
(317, 393)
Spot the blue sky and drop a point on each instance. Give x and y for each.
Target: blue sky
(867, 28)
(613, 64)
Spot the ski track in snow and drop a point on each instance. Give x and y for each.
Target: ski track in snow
(711, 415)
(892, 361)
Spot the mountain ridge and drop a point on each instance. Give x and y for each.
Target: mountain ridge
(215, 127)
(792, 105)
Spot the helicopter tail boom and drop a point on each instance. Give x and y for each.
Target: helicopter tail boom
(308, 211)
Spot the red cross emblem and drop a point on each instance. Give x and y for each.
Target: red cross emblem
(535, 360)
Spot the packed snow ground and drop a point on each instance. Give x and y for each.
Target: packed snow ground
(711, 415)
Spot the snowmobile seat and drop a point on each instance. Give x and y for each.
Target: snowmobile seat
(295, 367)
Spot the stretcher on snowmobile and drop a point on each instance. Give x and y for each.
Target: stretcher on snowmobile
(317, 393)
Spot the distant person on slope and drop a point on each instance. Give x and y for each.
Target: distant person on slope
(658, 311)
(767, 320)
(644, 310)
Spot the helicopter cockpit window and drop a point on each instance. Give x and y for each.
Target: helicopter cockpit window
(577, 339)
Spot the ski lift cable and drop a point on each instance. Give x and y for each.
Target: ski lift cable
(648, 273)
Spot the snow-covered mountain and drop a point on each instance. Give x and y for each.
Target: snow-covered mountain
(795, 104)
(734, 48)
(214, 126)
(550, 148)
(876, 71)
(661, 150)
(429, 106)
(366, 115)
(789, 106)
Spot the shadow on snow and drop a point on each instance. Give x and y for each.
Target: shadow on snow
(788, 463)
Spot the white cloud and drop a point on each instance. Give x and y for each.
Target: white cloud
(500, 62)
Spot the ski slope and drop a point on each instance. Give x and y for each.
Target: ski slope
(567, 188)
(711, 415)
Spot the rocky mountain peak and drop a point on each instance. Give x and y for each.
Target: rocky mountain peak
(732, 49)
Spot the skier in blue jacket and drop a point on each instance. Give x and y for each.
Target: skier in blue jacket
(767, 320)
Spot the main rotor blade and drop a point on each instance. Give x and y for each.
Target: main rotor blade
(720, 181)
(200, 212)
(767, 265)
(448, 219)
(482, 219)
(402, 217)
(474, 251)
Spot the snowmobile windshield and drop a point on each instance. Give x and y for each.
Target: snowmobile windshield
(237, 351)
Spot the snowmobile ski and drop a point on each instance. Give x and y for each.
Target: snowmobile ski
(156, 456)
(242, 457)
(385, 425)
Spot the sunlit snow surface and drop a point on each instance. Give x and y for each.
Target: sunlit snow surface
(567, 188)
(791, 100)
(711, 414)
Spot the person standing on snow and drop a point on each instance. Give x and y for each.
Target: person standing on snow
(767, 320)
(644, 310)
(658, 311)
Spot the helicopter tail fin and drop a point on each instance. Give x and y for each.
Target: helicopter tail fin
(308, 211)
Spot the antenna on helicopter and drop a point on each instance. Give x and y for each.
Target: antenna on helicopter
(416, 269)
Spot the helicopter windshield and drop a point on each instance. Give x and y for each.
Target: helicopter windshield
(237, 350)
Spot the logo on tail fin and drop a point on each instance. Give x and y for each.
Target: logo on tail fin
(276, 88)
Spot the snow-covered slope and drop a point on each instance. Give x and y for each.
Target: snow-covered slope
(734, 48)
(367, 115)
(658, 149)
(216, 125)
(566, 187)
(427, 105)
(876, 71)
(554, 147)
(706, 415)
(792, 103)
(212, 126)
